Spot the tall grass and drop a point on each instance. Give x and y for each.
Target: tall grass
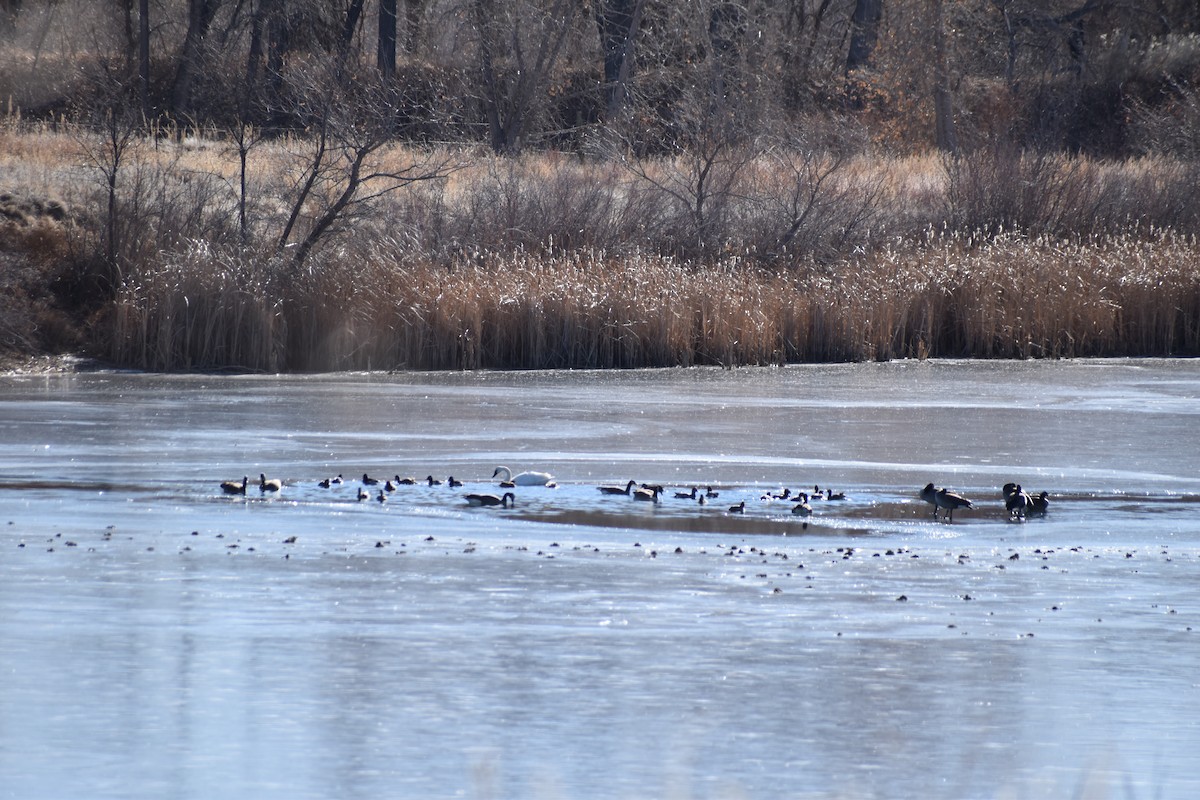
(551, 261)
(1012, 297)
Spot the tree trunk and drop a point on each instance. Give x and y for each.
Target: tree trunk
(412, 24)
(864, 34)
(385, 53)
(943, 100)
(353, 15)
(618, 21)
(200, 17)
(144, 57)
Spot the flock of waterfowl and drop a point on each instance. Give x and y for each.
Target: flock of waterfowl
(1019, 503)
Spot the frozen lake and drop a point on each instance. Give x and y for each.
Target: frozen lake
(159, 639)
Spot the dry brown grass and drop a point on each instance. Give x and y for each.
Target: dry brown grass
(552, 262)
(1009, 298)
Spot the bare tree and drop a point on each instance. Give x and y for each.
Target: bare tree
(943, 100)
(200, 18)
(386, 51)
(618, 21)
(518, 50)
(864, 34)
(345, 166)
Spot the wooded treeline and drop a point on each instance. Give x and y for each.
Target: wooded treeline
(1098, 76)
(365, 184)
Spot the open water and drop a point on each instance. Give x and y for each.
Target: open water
(160, 639)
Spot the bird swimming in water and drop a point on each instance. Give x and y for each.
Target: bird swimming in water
(1040, 504)
(369, 481)
(523, 478)
(617, 489)
(264, 485)
(506, 501)
(802, 507)
(648, 494)
(233, 487)
(740, 508)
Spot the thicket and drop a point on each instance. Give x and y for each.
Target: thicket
(294, 185)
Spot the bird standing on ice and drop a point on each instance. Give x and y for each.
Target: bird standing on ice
(944, 498)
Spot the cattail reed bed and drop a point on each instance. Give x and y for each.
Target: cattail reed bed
(1008, 297)
(182, 260)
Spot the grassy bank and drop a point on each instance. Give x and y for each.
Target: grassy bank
(755, 255)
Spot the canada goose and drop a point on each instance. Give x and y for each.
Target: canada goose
(1040, 504)
(1016, 500)
(233, 487)
(432, 481)
(830, 494)
(950, 500)
(452, 483)
(508, 500)
(389, 486)
(369, 481)
(523, 478)
(944, 498)
(649, 494)
(802, 508)
(710, 494)
(740, 508)
(382, 496)
(686, 495)
(362, 494)
(264, 485)
(325, 484)
(405, 481)
(617, 489)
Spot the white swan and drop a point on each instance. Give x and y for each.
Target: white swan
(523, 478)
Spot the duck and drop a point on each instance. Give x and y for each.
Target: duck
(452, 483)
(944, 498)
(649, 494)
(784, 495)
(686, 495)
(617, 489)
(338, 479)
(233, 487)
(389, 486)
(1016, 500)
(523, 478)
(325, 484)
(405, 481)
(1040, 504)
(369, 481)
(507, 500)
(264, 485)
(740, 508)
(432, 481)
